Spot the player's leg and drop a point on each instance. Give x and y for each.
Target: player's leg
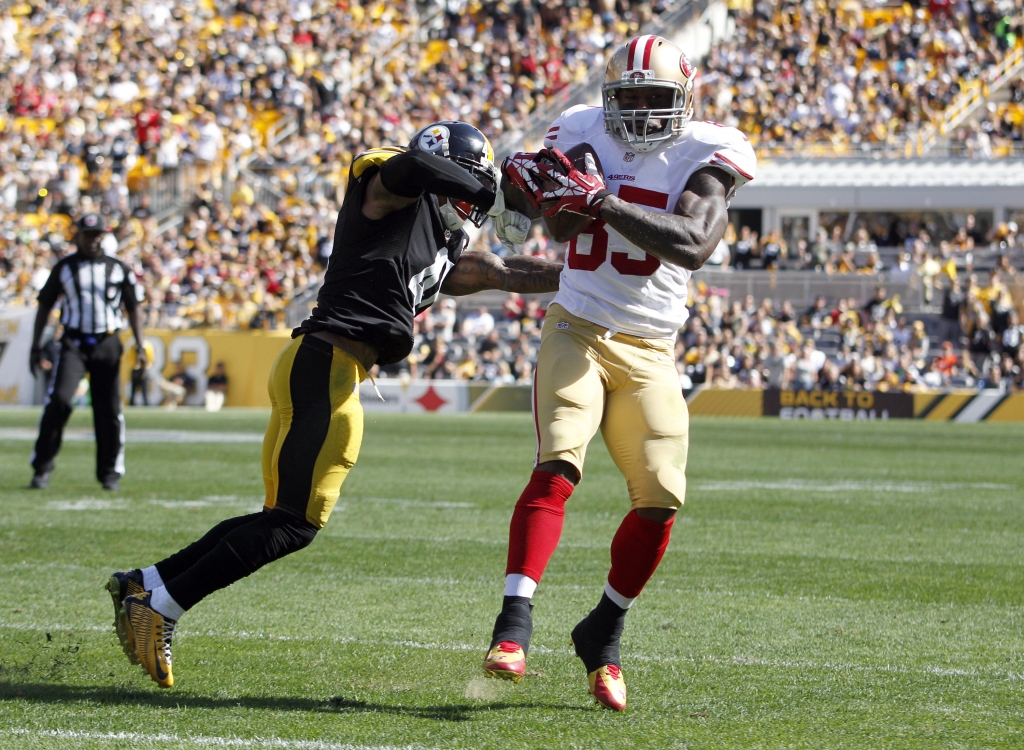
(68, 371)
(104, 363)
(126, 583)
(568, 403)
(314, 387)
(646, 430)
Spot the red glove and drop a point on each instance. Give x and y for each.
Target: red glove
(571, 189)
(520, 169)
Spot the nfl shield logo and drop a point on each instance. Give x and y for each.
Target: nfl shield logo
(562, 326)
(628, 156)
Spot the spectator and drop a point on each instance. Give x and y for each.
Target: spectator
(216, 388)
(807, 366)
(478, 324)
(743, 250)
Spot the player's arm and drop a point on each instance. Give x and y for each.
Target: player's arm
(403, 178)
(687, 236)
(45, 302)
(478, 271)
(135, 317)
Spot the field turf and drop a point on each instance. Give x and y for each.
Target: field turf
(828, 586)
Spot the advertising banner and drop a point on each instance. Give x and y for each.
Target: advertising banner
(17, 385)
(851, 406)
(247, 358)
(404, 396)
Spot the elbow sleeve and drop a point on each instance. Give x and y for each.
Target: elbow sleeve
(412, 173)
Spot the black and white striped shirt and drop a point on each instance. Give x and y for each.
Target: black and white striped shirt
(93, 292)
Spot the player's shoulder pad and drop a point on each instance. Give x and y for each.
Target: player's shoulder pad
(573, 126)
(373, 158)
(728, 149)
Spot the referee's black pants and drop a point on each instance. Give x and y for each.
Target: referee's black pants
(102, 361)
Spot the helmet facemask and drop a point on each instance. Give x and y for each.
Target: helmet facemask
(646, 129)
(487, 173)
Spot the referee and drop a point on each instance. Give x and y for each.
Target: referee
(94, 287)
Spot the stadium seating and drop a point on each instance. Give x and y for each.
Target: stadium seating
(246, 116)
(840, 78)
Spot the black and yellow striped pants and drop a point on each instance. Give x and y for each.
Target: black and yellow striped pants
(316, 427)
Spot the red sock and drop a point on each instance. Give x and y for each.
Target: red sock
(637, 549)
(537, 524)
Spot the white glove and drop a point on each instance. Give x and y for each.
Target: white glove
(510, 226)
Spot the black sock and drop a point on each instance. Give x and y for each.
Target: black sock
(173, 566)
(596, 637)
(514, 623)
(240, 553)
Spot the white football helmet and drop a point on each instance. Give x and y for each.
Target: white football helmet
(653, 62)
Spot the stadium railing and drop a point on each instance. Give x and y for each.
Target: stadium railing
(974, 97)
(801, 287)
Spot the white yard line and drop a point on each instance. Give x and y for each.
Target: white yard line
(140, 436)
(196, 740)
(736, 661)
(802, 485)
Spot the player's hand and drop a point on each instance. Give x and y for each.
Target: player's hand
(520, 169)
(141, 359)
(35, 360)
(569, 188)
(510, 226)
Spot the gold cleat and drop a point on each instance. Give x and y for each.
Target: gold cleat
(506, 661)
(124, 584)
(150, 633)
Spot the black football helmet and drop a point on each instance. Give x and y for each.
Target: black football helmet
(467, 147)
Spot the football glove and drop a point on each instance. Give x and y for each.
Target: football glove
(569, 188)
(510, 226)
(519, 169)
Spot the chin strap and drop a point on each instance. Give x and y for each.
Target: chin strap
(452, 221)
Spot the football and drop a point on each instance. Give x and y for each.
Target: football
(565, 225)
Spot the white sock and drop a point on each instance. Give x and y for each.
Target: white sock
(623, 601)
(517, 584)
(164, 603)
(151, 579)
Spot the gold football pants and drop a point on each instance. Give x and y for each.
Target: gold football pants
(624, 385)
(316, 427)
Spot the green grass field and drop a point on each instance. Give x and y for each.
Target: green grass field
(828, 586)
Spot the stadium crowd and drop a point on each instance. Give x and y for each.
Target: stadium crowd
(97, 100)
(846, 74)
(843, 344)
(999, 130)
(914, 244)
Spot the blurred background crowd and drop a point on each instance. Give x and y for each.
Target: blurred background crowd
(247, 114)
(851, 74)
(100, 101)
(840, 344)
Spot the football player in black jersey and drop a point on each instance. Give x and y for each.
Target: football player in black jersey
(398, 243)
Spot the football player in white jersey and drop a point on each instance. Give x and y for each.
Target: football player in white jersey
(607, 354)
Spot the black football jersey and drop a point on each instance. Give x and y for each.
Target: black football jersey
(382, 273)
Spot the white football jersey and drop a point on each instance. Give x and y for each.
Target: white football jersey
(609, 280)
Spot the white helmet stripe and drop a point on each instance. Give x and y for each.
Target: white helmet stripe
(639, 57)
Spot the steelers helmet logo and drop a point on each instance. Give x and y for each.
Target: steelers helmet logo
(434, 139)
